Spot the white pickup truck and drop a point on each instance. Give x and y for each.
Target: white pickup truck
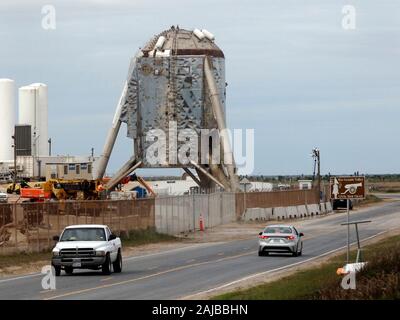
(3, 197)
(88, 246)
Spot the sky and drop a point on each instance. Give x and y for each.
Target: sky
(294, 74)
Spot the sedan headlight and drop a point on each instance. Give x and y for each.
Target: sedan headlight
(100, 253)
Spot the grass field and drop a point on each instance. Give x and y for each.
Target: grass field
(370, 198)
(379, 280)
(20, 259)
(140, 237)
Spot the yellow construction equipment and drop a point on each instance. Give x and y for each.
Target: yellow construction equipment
(63, 190)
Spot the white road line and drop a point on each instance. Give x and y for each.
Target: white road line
(277, 269)
(31, 275)
(200, 245)
(152, 268)
(106, 279)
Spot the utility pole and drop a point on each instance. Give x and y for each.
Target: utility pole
(49, 141)
(317, 165)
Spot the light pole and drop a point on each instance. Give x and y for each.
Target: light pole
(35, 153)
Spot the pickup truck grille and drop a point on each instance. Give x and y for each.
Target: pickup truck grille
(77, 252)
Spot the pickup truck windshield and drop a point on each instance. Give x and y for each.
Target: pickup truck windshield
(84, 234)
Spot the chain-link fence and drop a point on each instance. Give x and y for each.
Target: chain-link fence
(31, 226)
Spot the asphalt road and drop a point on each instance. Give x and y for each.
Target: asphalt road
(183, 272)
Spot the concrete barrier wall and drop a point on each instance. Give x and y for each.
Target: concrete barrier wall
(313, 209)
(274, 199)
(280, 213)
(181, 214)
(292, 212)
(302, 210)
(328, 206)
(258, 214)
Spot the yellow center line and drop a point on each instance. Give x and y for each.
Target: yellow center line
(144, 277)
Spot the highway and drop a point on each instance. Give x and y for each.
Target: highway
(184, 272)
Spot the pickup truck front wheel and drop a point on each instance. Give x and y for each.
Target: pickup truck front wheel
(117, 264)
(106, 266)
(57, 270)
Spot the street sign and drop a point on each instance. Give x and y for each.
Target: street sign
(347, 187)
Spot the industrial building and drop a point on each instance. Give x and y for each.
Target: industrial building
(69, 170)
(24, 139)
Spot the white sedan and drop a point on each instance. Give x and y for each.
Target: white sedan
(280, 239)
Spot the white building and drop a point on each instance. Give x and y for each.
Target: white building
(29, 166)
(305, 184)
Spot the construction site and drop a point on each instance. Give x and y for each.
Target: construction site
(177, 152)
(185, 70)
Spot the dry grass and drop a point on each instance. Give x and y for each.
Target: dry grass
(380, 279)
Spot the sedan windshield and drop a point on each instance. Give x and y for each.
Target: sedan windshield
(278, 230)
(83, 234)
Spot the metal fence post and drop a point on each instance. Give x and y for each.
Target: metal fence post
(48, 224)
(37, 226)
(15, 225)
(58, 219)
(208, 211)
(194, 215)
(119, 217)
(110, 217)
(221, 208)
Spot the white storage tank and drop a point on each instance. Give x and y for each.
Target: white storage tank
(7, 119)
(42, 118)
(33, 110)
(27, 111)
